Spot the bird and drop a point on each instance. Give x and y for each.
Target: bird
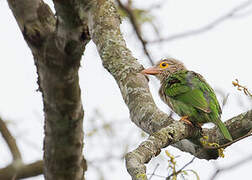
(188, 94)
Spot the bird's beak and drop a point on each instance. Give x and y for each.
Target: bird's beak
(150, 71)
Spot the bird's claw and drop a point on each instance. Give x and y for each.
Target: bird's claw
(186, 120)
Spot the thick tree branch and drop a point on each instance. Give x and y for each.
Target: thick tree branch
(231, 142)
(117, 59)
(152, 146)
(57, 51)
(177, 131)
(104, 28)
(57, 54)
(72, 20)
(238, 126)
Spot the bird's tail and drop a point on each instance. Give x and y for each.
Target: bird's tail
(224, 130)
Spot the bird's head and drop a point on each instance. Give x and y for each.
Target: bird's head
(164, 68)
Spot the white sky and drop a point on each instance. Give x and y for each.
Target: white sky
(220, 55)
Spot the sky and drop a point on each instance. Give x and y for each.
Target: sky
(221, 55)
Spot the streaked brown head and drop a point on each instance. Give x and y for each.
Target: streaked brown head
(164, 68)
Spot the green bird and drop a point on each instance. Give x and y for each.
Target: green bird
(187, 94)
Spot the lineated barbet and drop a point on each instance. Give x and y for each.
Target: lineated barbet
(187, 94)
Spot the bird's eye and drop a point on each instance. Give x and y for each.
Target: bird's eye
(163, 64)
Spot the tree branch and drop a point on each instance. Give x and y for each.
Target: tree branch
(218, 171)
(72, 19)
(57, 46)
(11, 142)
(24, 171)
(181, 169)
(137, 29)
(104, 28)
(152, 147)
(207, 27)
(17, 169)
(57, 54)
(238, 126)
(171, 134)
(231, 142)
(117, 59)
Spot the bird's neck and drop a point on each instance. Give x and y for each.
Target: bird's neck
(164, 79)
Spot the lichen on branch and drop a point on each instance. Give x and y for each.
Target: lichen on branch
(104, 27)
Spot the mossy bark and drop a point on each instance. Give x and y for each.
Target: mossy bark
(104, 27)
(57, 46)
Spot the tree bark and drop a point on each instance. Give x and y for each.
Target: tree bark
(104, 25)
(57, 46)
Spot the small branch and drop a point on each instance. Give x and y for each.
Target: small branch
(136, 27)
(153, 173)
(187, 164)
(207, 27)
(241, 88)
(22, 171)
(230, 143)
(17, 169)
(218, 171)
(11, 142)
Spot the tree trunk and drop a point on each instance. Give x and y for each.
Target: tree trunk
(57, 46)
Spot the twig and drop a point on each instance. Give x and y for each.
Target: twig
(157, 5)
(241, 88)
(136, 27)
(187, 164)
(153, 173)
(220, 170)
(231, 142)
(206, 27)
(10, 140)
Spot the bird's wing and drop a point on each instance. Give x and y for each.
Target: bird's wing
(196, 99)
(208, 92)
(190, 88)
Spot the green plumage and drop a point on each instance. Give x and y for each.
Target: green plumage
(188, 94)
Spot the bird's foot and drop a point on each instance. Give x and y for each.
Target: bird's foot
(198, 125)
(186, 120)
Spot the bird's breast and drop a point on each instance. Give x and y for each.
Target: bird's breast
(164, 97)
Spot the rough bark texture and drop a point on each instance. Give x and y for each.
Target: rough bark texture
(177, 131)
(57, 46)
(104, 25)
(104, 28)
(152, 146)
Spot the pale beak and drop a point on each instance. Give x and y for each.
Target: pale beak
(151, 71)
